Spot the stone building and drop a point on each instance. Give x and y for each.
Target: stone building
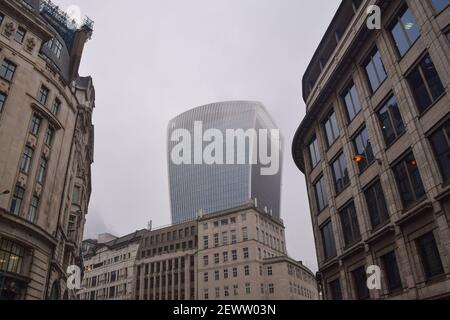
(46, 149)
(375, 146)
(109, 267)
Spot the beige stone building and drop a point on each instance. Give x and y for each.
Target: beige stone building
(46, 149)
(242, 256)
(375, 146)
(109, 267)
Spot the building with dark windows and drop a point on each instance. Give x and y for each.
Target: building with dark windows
(46, 149)
(374, 146)
(200, 187)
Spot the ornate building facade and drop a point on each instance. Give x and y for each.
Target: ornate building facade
(46, 149)
(375, 146)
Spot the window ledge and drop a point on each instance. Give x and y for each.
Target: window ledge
(414, 212)
(431, 106)
(359, 246)
(381, 233)
(445, 194)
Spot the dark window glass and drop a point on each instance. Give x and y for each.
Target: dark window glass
(440, 5)
(321, 194)
(7, 70)
(340, 173)
(360, 281)
(35, 124)
(440, 140)
(42, 170)
(335, 290)
(32, 212)
(391, 121)
(404, 30)
(49, 136)
(329, 245)
(375, 70)
(56, 107)
(20, 35)
(391, 271)
(314, 152)
(17, 199)
(26, 159)
(425, 84)
(2, 101)
(43, 95)
(376, 204)
(331, 129)
(352, 102)
(363, 149)
(409, 181)
(11, 256)
(350, 225)
(1, 18)
(430, 257)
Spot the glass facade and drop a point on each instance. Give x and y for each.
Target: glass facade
(215, 187)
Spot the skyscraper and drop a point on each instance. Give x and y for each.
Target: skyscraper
(199, 187)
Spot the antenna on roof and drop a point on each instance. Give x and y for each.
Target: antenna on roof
(150, 225)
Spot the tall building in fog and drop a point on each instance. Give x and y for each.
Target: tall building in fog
(207, 188)
(46, 149)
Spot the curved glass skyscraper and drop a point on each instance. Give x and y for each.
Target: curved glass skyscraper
(212, 187)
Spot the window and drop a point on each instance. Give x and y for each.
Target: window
(43, 95)
(225, 257)
(226, 291)
(216, 240)
(225, 238)
(269, 271)
(233, 237)
(248, 288)
(440, 141)
(360, 281)
(35, 125)
(206, 294)
(235, 290)
(216, 258)
(234, 255)
(404, 30)
(335, 290)
(331, 129)
(225, 273)
(216, 275)
(48, 140)
(55, 46)
(246, 253)
(235, 272)
(340, 173)
(76, 195)
(205, 242)
(205, 261)
(20, 35)
(217, 292)
(350, 225)
(364, 150)
(314, 152)
(26, 159)
(271, 288)
(409, 181)
(430, 257)
(329, 245)
(391, 271)
(2, 101)
(7, 70)
(352, 102)
(17, 199)
(376, 204)
(425, 84)
(375, 70)
(321, 194)
(42, 170)
(246, 271)
(244, 234)
(11, 256)
(56, 107)
(391, 121)
(440, 5)
(205, 226)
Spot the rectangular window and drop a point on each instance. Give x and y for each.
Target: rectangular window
(425, 84)
(32, 212)
(206, 277)
(391, 271)
(216, 240)
(43, 95)
(440, 141)
(335, 290)
(329, 245)
(375, 71)
(244, 234)
(314, 152)
(35, 125)
(440, 5)
(331, 129)
(26, 159)
(206, 294)
(234, 255)
(225, 257)
(376, 204)
(225, 273)
(205, 242)
(216, 275)
(11, 256)
(16, 203)
(340, 173)
(364, 153)
(350, 225)
(2, 101)
(391, 121)
(269, 271)
(20, 35)
(205, 261)
(225, 238)
(233, 237)
(246, 271)
(271, 289)
(42, 170)
(56, 107)
(216, 258)
(404, 31)
(246, 253)
(360, 281)
(235, 272)
(430, 257)
(76, 195)
(321, 194)
(7, 70)
(248, 288)
(48, 140)
(351, 101)
(409, 181)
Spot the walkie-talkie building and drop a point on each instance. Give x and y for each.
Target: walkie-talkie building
(208, 188)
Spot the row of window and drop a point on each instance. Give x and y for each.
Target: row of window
(234, 257)
(430, 259)
(226, 274)
(11, 256)
(167, 265)
(235, 292)
(170, 236)
(301, 291)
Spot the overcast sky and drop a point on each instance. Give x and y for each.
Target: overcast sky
(154, 59)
